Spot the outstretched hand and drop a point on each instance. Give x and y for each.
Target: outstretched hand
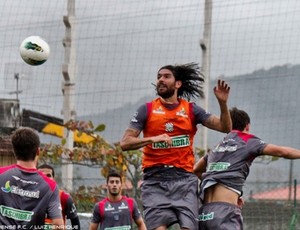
(221, 91)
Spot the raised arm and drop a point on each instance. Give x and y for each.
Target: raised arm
(222, 123)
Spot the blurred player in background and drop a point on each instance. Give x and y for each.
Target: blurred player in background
(68, 207)
(116, 211)
(169, 123)
(224, 171)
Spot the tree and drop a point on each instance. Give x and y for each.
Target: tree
(96, 152)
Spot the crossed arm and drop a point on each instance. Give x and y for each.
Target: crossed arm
(132, 141)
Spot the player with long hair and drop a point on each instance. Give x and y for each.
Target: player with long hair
(169, 123)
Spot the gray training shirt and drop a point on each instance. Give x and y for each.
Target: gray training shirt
(229, 162)
(26, 196)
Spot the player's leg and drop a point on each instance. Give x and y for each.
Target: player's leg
(186, 202)
(157, 210)
(170, 196)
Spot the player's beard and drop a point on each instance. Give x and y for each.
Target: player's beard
(167, 93)
(114, 192)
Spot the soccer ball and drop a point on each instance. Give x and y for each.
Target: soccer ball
(34, 50)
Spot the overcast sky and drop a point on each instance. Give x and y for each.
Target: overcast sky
(121, 45)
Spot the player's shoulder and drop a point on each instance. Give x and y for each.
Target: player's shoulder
(7, 168)
(127, 198)
(103, 201)
(130, 201)
(46, 180)
(63, 192)
(64, 195)
(246, 137)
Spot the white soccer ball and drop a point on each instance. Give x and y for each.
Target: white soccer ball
(34, 50)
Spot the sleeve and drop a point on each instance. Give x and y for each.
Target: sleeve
(54, 209)
(96, 218)
(257, 146)
(71, 210)
(75, 223)
(136, 212)
(200, 114)
(139, 118)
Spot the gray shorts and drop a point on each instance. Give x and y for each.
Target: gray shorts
(220, 215)
(170, 196)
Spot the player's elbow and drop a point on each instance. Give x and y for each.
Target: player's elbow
(227, 127)
(198, 173)
(129, 143)
(224, 127)
(124, 146)
(58, 223)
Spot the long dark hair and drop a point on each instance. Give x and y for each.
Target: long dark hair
(191, 77)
